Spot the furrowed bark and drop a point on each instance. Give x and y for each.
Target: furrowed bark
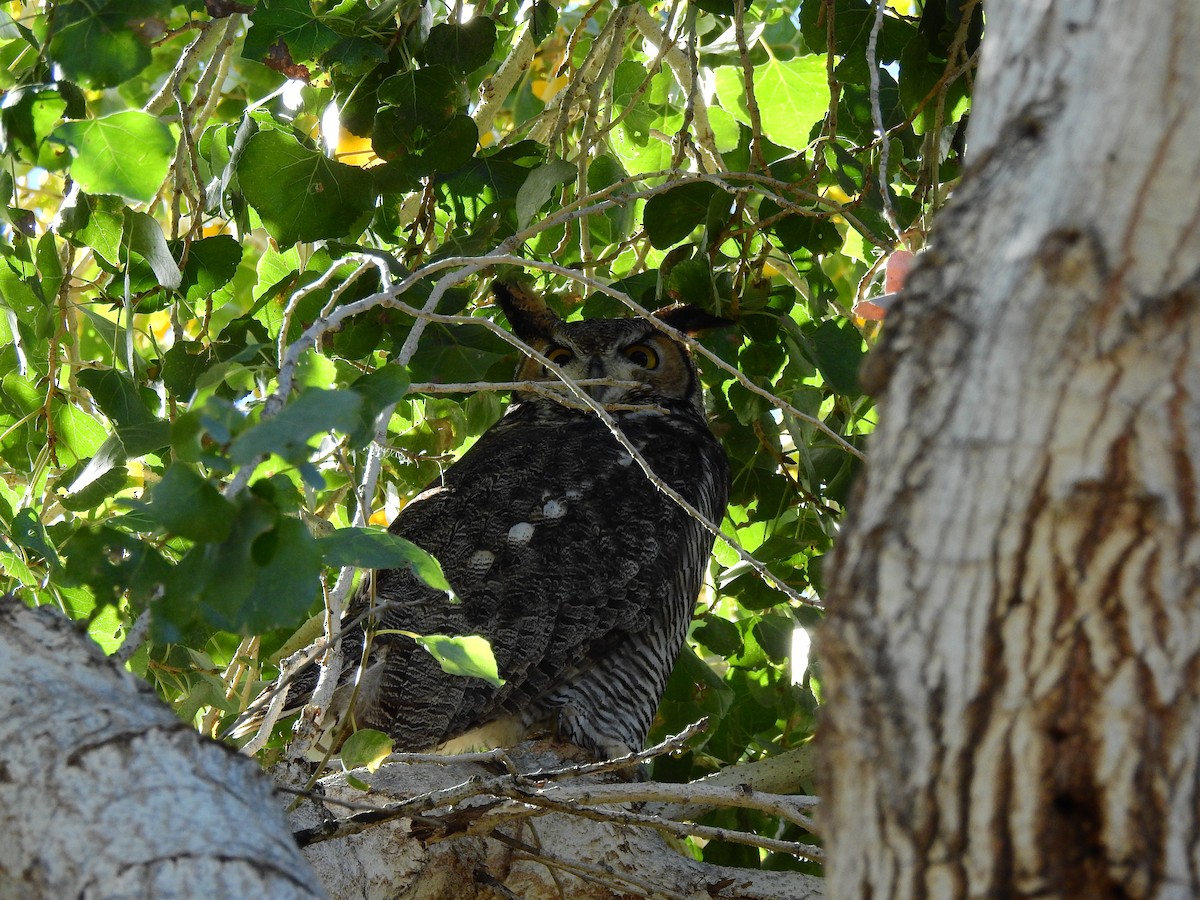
(1012, 649)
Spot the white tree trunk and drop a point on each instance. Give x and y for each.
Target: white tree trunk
(105, 793)
(1013, 641)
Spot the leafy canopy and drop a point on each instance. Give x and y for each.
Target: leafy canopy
(223, 228)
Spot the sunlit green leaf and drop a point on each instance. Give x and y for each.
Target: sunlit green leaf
(286, 23)
(126, 153)
(469, 656)
(102, 42)
(366, 748)
(97, 222)
(792, 96)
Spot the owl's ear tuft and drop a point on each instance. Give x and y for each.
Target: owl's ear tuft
(690, 319)
(526, 310)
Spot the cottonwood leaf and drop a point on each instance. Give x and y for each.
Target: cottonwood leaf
(366, 749)
(127, 154)
(377, 548)
(301, 194)
(470, 656)
(792, 97)
(288, 432)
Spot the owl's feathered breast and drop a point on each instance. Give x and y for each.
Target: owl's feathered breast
(559, 548)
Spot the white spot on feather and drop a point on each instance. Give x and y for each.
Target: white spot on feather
(520, 533)
(554, 509)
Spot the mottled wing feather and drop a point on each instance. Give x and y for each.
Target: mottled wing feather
(563, 555)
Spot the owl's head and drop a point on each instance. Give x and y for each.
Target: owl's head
(627, 350)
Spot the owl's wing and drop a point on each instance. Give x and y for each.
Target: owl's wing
(558, 548)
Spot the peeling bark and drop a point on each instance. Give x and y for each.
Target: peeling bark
(1013, 644)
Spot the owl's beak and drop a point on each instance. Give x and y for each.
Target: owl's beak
(595, 369)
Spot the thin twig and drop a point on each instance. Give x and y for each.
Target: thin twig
(756, 136)
(889, 214)
(579, 807)
(473, 787)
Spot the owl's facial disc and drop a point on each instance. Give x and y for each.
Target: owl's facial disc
(649, 366)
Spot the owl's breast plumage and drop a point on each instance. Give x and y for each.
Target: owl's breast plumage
(558, 547)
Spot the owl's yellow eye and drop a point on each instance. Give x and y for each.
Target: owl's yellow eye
(641, 355)
(560, 356)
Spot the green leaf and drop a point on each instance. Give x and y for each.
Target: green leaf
(97, 222)
(96, 490)
(815, 233)
(673, 215)
(27, 116)
(539, 187)
(127, 153)
(113, 562)
(185, 503)
(20, 295)
(182, 366)
(301, 194)
(147, 240)
(693, 690)
(288, 432)
(376, 548)
(543, 17)
(792, 97)
(647, 113)
(27, 531)
(265, 575)
(378, 390)
(101, 43)
(920, 73)
(79, 435)
(837, 350)
(463, 48)
(415, 154)
(719, 635)
(470, 656)
(49, 266)
(774, 635)
(211, 264)
(100, 477)
(292, 22)
(421, 102)
(139, 430)
(366, 748)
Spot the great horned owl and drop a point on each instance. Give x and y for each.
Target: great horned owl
(579, 571)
